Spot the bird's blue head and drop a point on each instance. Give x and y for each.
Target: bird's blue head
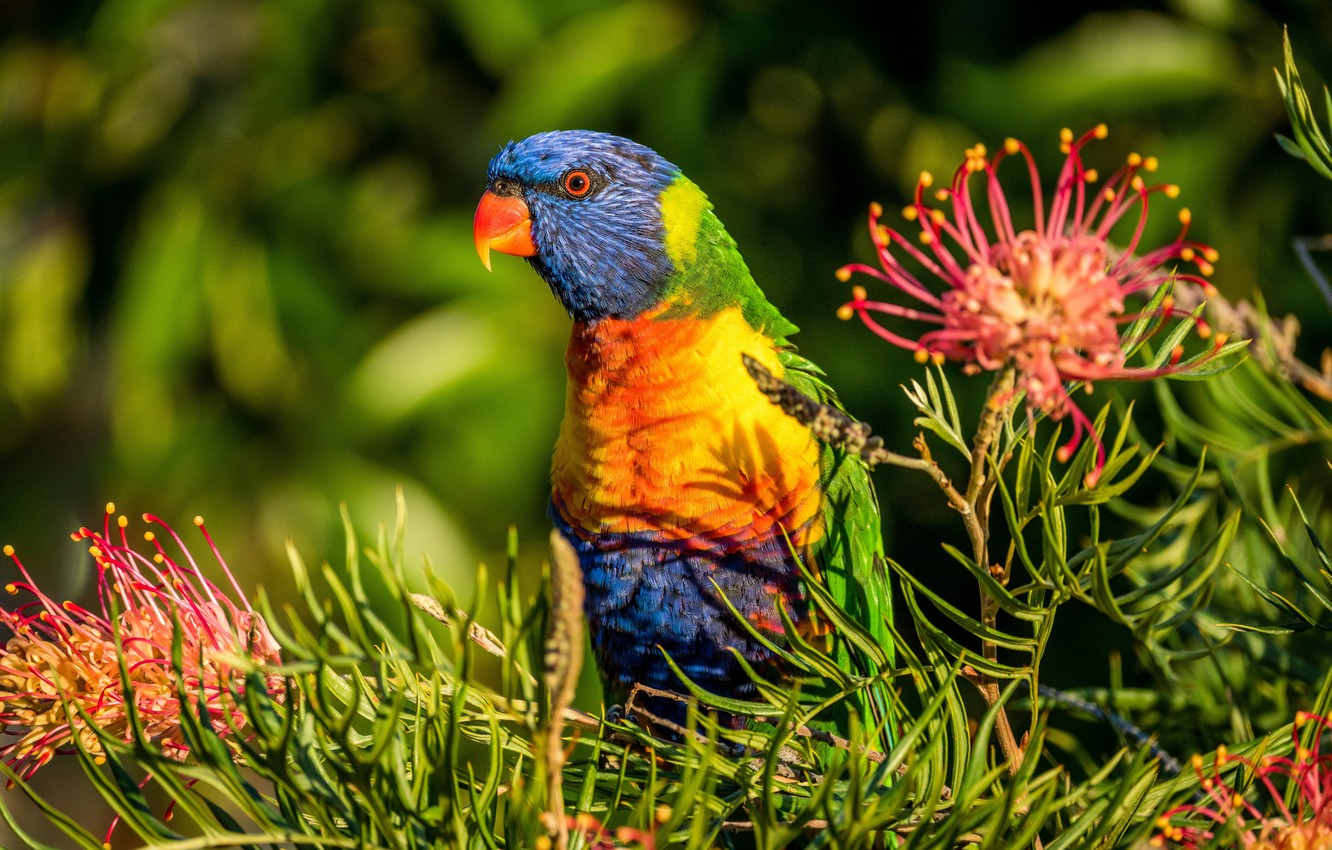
(585, 209)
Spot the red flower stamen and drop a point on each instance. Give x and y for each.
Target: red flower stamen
(1228, 812)
(1047, 301)
(64, 658)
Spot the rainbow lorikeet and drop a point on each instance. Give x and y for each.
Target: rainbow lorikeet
(679, 484)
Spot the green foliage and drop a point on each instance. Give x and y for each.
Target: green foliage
(390, 733)
(385, 737)
(1309, 143)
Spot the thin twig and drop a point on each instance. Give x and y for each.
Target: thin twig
(476, 633)
(630, 707)
(1303, 246)
(1242, 319)
(748, 826)
(980, 488)
(834, 428)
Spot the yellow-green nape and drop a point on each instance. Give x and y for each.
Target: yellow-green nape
(682, 206)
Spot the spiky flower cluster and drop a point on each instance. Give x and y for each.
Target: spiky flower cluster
(1048, 302)
(61, 673)
(1228, 817)
(594, 835)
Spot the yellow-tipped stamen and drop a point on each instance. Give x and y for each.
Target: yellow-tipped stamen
(110, 507)
(843, 274)
(1151, 163)
(845, 312)
(1091, 175)
(1134, 159)
(1101, 131)
(1186, 254)
(921, 355)
(1172, 190)
(1185, 216)
(1066, 136)
(1211, 254)
(876, 209)
(910, 213)
(926, 179)
(1012, 145)
(926, 237)
(859, 293)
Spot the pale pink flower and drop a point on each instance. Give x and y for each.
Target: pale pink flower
(1048, 301)
(63, 658)
(1228, 814)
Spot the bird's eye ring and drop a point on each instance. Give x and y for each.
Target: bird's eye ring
(577, 183)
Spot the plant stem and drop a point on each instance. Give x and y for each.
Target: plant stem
(980, 489)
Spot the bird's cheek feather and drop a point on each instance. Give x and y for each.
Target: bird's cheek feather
(503, 223)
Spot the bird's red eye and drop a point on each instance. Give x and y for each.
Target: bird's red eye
(577, 183)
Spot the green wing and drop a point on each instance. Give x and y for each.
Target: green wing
(850, 556)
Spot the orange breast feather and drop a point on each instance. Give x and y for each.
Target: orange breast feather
(664, 432)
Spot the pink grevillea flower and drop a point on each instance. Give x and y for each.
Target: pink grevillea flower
(1228, 817)
(597, 836)
(1049, 301)
(64, 659)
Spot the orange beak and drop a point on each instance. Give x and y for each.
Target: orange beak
(502, 223)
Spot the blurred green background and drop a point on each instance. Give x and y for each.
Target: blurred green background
(236, 269)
